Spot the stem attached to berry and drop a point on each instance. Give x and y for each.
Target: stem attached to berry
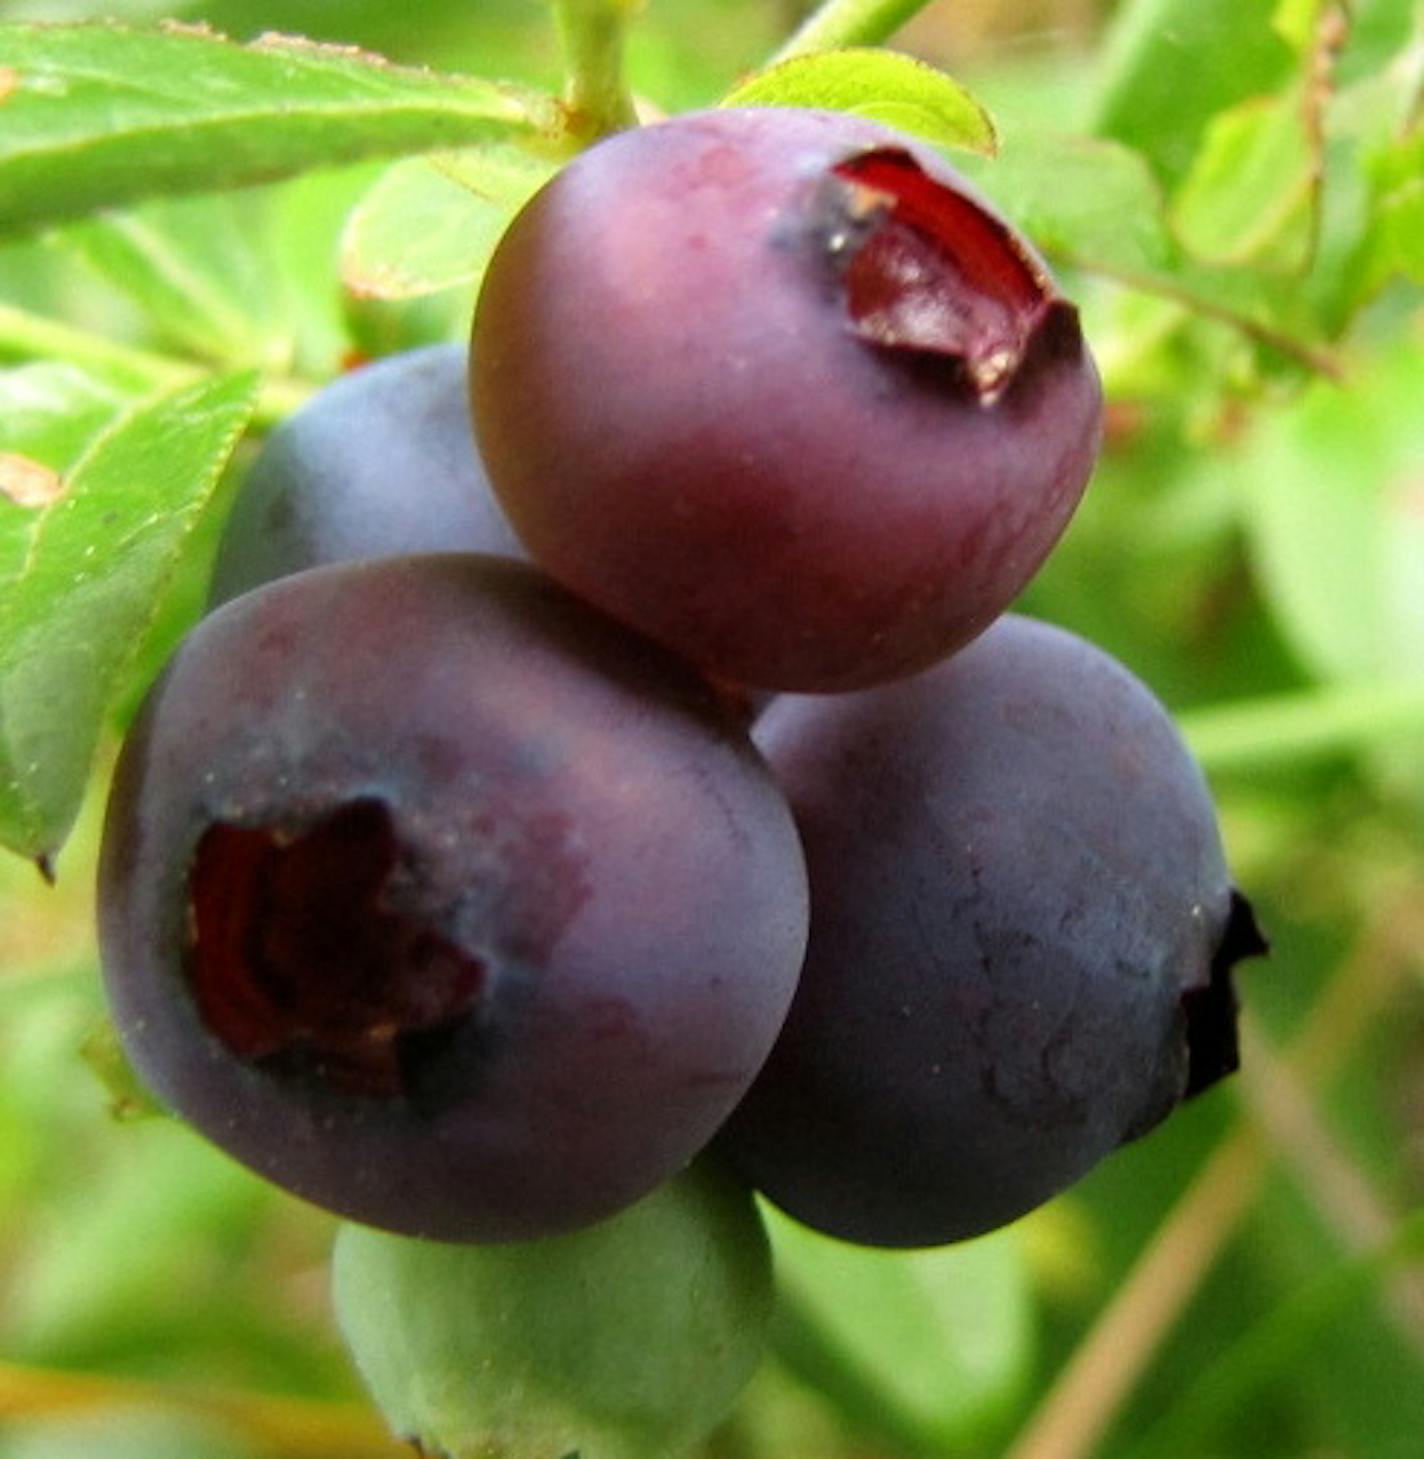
(596, 95)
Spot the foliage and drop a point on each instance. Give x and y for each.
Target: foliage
(196, 232)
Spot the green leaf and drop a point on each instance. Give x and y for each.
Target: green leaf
(881, 85)
(1170, 65)
(1252, 178)
(1335, 494)
(1295, 21)
(431, 223)
(1095, 203)
(628, 1339)
(1382, 32)
(49, 413)
(79, 580)
(1395, 245)
(98, 115)
(927, 1348)
(200, 270)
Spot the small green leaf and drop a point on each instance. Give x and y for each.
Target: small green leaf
(881, 85)
(431, 223)
(1295, 21)
(928, 1348)
(626, 1340)
(98, 115)
(1252, 178)
(79, 586)
(1372, 165)
(1395, 246)
(1170, 65)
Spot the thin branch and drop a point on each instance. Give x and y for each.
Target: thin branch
(291, 1427)
(1313, 357)
(1344, 1195)
(1107, 1364)
(838, 23)
(28, 336)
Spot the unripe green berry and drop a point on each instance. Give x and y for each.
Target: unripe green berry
(629, 1339)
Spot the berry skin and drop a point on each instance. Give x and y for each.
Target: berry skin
(778, 389)
(443, 901)
(380, 463)
(1022, 936)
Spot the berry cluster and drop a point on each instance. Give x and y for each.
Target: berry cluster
(471, 878)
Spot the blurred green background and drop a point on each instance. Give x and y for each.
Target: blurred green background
(1248, 1281)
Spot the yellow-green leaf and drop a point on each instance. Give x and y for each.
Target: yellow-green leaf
(883, 86)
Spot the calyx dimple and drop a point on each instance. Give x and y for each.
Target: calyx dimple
(296, 953)
(1211, 1009)
(925, 269)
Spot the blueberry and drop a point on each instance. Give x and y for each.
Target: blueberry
(380, 463)
(780, 390)
(1022, 934)
(443, 901)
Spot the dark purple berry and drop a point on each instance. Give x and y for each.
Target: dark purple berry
(380, 463)
(780, 390)
(444, 901)
(1022, 935)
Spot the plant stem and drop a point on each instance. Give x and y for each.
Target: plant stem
(27, 336)
(33, 336)
(1288, 729)
(596, 95)
(1087, 1395)
(838, 23)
